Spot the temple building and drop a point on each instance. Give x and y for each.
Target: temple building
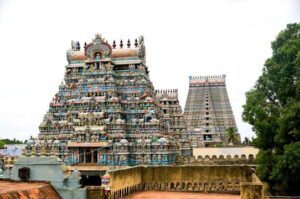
(208, 112)
(105, 111)
(173, 117)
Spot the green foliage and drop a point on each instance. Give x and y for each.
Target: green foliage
(2, 143)
(231, 135)
(8, 141)
(248, 141)
(273, 109)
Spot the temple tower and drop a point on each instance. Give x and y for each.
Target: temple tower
(208, 112)
(105, 111)
(173, 117)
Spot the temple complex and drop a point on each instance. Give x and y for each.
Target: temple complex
(109, 134)
(105, 110)
(173, 117)
(208, 112)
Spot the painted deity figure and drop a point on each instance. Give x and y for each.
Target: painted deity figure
(97, 56)
(43, 150)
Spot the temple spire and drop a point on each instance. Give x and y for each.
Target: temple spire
(136, 43)
(128, 43)
(121, 43)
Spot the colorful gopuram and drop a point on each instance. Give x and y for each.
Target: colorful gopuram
(208, 112)
(173, 117)
(105, 110)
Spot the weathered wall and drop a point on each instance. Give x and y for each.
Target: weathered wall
(126, 181)
(53, 170)
(128, 177)
(180, 178)
(225, 151)
(252, 189)
(95, 192)
(216, 160)
(194, 173)
(195, 178)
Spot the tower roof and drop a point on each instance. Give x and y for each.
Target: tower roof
(78, 56)
(124, 52)
(99, 49)
(207, 79)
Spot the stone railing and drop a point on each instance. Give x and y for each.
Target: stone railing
(252, 189)
(217, 160)
(235, 179)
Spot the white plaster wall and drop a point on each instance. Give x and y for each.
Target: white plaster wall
(225, 151)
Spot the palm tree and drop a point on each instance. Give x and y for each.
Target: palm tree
(231, 135)
(246, 141)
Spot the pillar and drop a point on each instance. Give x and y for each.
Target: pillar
(84, 155)
(92, 156)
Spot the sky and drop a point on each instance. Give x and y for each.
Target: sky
(182, 38)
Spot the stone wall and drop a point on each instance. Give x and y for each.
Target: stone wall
(53, 170)
(194, 178)
(252, 189)
(217, 160)
(126, 181)
(185, 178)
(95, 192)
(225, 151)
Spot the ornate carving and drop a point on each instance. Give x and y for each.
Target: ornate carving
(99, 45)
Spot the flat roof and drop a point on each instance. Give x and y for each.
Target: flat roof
(10, 186)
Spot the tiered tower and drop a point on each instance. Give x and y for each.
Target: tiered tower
(208, 112)
(173, 118)
(105, 111)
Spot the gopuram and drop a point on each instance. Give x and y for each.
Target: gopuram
(208, 112)
(173, 118)
(105, 111)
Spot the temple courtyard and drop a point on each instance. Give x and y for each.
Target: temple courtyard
(180, 195)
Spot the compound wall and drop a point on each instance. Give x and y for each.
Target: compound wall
(182, 178)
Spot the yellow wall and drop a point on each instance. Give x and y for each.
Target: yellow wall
(194, 173)
(123, 178)
(214, 178)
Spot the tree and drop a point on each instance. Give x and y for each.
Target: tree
(8, 141)
(273, 109)
(249, 141)
(246, 141)
(231, 135)
(2, 144)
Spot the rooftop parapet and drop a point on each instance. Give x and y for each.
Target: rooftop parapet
(166, 93)
(99, 48)
(207, 79)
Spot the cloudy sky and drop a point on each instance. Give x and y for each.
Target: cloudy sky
(209, 37)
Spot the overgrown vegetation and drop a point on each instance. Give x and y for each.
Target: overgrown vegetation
(273, 109)
(232, 136)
